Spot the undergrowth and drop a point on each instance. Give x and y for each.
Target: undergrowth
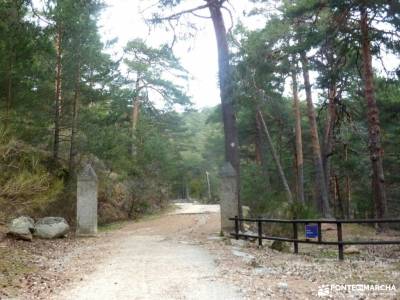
(26, 183)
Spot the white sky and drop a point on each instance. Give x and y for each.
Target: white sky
(123, 20)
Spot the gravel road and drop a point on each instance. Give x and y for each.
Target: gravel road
(180, 255)
(153, 260)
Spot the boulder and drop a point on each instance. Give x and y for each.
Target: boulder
(282, 286)
(51, 228)
(248, 232)
(21, 228)
(248, 258)
(280, 246)
(245, 211)
(351, 250)
(328, 227)
(238, 243)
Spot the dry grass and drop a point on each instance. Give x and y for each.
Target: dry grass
(14, 266)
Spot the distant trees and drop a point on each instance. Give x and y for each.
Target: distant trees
(21, 49)
(215, 8)
(61, 92)
(148, 68)
(329, 38)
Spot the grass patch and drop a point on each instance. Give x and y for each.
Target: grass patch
(378, 276)
(358, 230)
(156, 214)
(112, 226)
(145, 217)
(14, 264)
(328, 253)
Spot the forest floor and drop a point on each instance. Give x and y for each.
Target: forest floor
(182, 256)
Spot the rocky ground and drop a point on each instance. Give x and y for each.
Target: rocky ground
(49, 269)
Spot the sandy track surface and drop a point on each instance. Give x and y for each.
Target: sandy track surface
(180, 255)
(153, 259)
(189, 208)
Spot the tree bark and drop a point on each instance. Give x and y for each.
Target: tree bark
(319, 169)
(58, 94)
(347, 185)
(10, 58)
(208, 186)
(226, 93)
(135, 115)
(261, 153)
(374, 130)
(276, 159)
(9, 92)
(75, 115)
(299, 142)
(328, 136)
(339, 196)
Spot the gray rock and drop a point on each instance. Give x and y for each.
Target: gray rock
(328, 227)
(245, 211)
(215, 238)
(249, 232)
(238, 243)
(280, 246)
(248, 258)
(351, 250)
(264, 271)
(282, 286)
(51, 228)
(21, 228)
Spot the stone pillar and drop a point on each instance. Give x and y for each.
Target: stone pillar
(228, 197)
(86, 210)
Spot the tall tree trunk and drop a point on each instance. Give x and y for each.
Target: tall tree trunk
(276, 159)
(374, 130)
(58, 94)
(9, 84)
(339, 196)
(75, 115)
(328, 136)
(319, 169)
(299, 142)
(10, 58)
(347, 185)
(135, 115)
(261, 153)
(257, 144)
(226, 92)
(208, 186)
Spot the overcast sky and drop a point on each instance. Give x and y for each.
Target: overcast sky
(122, 19)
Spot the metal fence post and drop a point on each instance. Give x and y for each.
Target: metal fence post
(340, 240)
(295, 243)
(236, 227)
(259, 225)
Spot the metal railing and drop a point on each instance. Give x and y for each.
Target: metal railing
(340, 243)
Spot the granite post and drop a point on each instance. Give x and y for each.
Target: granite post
(86, 211)
(228, 197)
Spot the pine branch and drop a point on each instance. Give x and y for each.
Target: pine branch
(177, 15)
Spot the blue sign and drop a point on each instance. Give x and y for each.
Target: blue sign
(311, 231)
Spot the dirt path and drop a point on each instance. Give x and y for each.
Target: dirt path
(180, 255)
(154, 259)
